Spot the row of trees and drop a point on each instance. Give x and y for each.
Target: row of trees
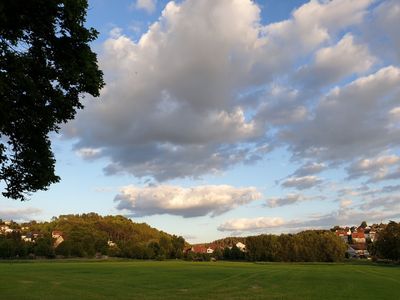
(88, 235)
(306, 246)
(311, 245)
(11, 246)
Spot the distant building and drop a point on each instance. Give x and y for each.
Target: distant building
(358, 237)
(343, 234)
(241, 246)
(58, 236)
(210, 250)
(3, 228)
(358, 250)
(199, 249)
(370, 235)
(111, 243)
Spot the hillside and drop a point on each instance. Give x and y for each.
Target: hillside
(87, 235)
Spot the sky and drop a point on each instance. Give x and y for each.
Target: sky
(234, 118)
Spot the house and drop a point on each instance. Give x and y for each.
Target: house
(211, 248)
(358, 237)
(358, 250)
(58, 236)
(3, 228)
(199, 249)
(111, 243)
(56, 233)
(370, 235)
(241, 246)
(343, 234)
(26, 238)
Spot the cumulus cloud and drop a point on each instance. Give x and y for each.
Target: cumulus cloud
(19, 214)
(184, 100)
(254, 224)
(385, 19)
(335, 63)
(197, 201)
(280, 105)
(350, 121)
(301, 183)
(377, 168)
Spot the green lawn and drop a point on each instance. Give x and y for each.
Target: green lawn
(195, 280)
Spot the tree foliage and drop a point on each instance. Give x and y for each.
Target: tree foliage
(388, 243)
(311, 245)
(46, 64)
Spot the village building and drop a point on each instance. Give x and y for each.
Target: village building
(110, 243)
(58, 236)
(358, 237)
(241, 246)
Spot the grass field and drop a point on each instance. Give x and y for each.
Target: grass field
(199, 280)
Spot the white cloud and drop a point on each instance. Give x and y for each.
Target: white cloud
(301, 183)
(88, 153)
(344, 203)
(186, 202)
(381, 32)
(313, 23)
(254, 224)
(309, 169)
(388, 203)
(19, 214)
(147, 5)
(290, 199)
(335, 63)
(343, 216)
(377, 168)
(173, 104)
(350, 121)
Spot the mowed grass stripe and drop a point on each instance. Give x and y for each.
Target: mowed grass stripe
(187, 280)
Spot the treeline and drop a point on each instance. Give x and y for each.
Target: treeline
(89, 235)
(306, 246)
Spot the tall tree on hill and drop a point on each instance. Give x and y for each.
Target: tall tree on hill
(46, 64)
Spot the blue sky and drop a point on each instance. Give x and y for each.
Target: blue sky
(237, 117)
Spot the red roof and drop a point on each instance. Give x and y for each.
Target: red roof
(199, 249)
(358, 235)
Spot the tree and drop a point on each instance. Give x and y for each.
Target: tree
(388, 243)
(46, 64)
(363, 224)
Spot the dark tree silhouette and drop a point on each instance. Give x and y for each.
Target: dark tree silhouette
(46, 64)
(388, 243)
